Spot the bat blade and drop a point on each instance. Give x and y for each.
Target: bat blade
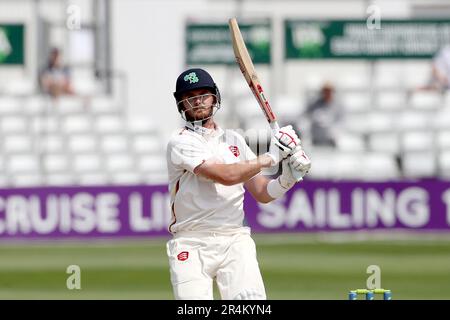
(248, 70)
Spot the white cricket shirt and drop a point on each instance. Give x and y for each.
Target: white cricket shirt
(198, 203)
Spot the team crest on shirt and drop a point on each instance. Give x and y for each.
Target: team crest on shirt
(182, 256)
(234, 150)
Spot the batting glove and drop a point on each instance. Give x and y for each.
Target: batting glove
(282, 144)
(286, 178)
(276, 188)
(299, 161)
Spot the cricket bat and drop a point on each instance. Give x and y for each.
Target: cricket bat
(248, 70)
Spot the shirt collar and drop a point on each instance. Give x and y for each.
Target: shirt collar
(205, 132)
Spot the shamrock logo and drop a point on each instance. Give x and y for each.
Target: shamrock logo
(191, 77)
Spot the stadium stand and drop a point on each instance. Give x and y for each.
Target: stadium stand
(390, 129)
(85, 141)
(75, 141)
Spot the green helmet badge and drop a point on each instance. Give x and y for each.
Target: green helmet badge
(191, 77)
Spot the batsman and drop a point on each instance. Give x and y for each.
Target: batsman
(209, 170)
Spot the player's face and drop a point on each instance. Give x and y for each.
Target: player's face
(198, 104)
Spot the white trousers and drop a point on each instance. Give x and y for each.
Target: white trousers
(197, 259)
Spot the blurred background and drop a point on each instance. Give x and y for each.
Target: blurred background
(86, 111)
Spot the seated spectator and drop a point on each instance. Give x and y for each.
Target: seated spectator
(325, 115)
(441, 69)
(55, 78)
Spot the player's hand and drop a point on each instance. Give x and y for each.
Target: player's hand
(287, 179)
(282, 144)
(299, 161)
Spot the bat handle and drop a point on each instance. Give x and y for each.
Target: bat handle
(274, 126)
(296, 174)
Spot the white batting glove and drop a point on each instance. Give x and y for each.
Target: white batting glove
(282, 144)
(276, 188)
(299, 161)
(286, 178)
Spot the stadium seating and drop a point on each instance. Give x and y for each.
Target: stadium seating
(9, 105)
(114, 143)
(48, 143)
(444, 164)
(56, 163)
(350, 142)
(79, 143)
(379, 167)
(356, 101)
(391, 100)
(387, 133)
(288, 106)
(426, 100)
(76, 141)
(384, 142)
(443, 140)
(419, 164)
(389, 130)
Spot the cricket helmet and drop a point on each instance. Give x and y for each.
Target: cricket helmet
(193, 79)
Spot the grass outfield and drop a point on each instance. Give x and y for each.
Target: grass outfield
(293, 267)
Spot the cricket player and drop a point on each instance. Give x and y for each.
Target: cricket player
(208, 170)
